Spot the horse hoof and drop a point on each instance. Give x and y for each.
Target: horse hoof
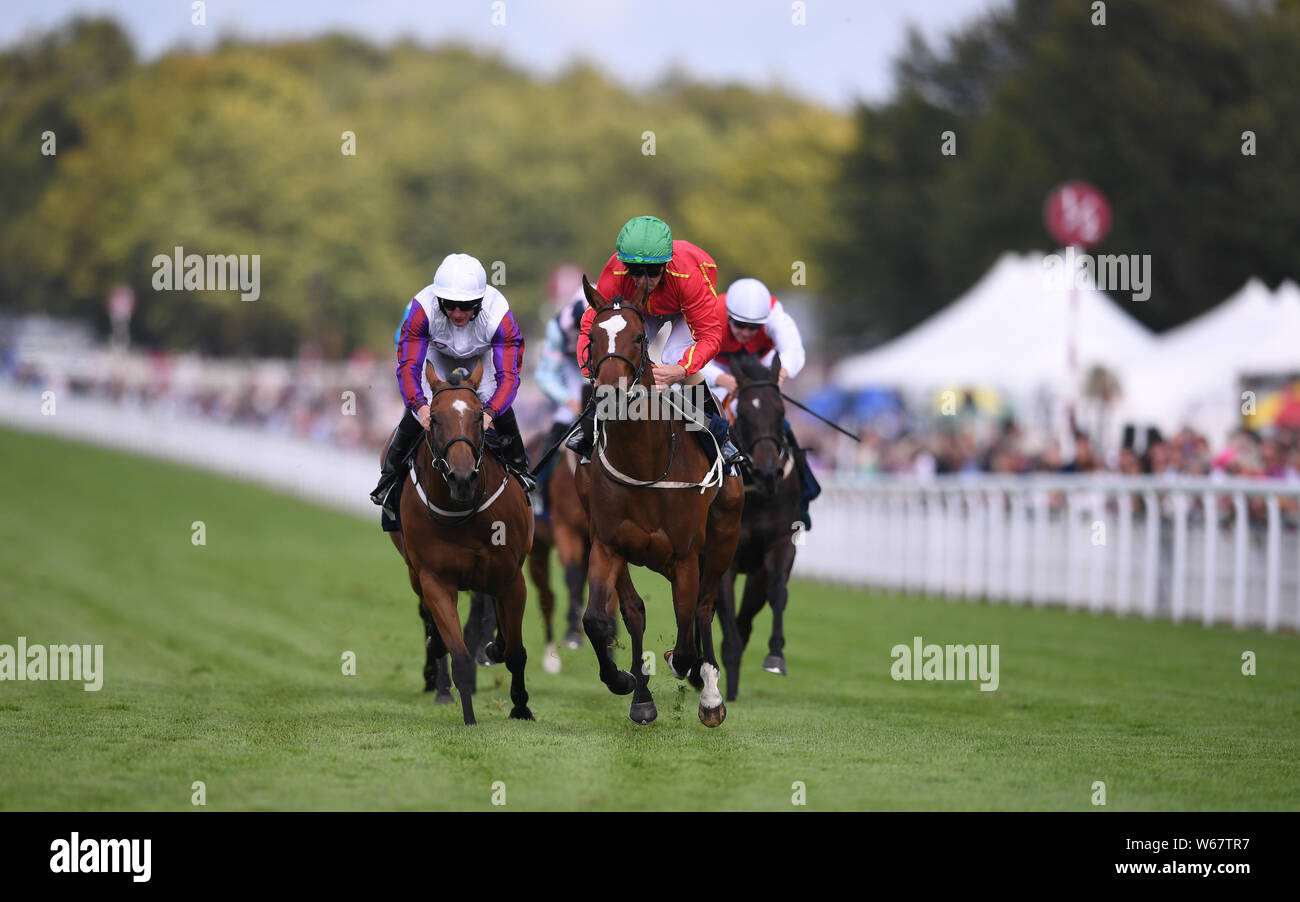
(572, 640)
(713, 717)
(430, 686)
(521, 712)
(623, 683)
(668, 656)
(442, 698)
(643, 713)
(489, 655)
(695, 679)
(774, 664)
(550, 660)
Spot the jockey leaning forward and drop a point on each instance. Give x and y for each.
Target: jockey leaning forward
(681, 282)
(456, 321)
(558, 375)
(758, 324)
(561, 381)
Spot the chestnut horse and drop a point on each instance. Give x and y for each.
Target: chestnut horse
(765, 552)
(654, 500)
(466, 525)
(566, 531)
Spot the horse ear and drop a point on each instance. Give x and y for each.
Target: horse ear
(431, 375)
(594, 297)
(477, 376)
(776, 364)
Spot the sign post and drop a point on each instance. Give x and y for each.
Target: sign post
(1077, 216)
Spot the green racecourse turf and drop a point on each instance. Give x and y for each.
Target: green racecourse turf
(223, 665)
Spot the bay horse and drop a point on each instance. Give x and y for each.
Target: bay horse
(466, 524)
(567, 532)
(765, 551)
(653, 499)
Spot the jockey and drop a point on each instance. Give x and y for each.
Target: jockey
(558, 375)
(757, 323)
(682, 280)
(455, 321)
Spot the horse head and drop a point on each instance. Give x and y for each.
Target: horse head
(760, 419)
(455, 433)
(617, 341)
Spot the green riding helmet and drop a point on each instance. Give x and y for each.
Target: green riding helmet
(645, 239)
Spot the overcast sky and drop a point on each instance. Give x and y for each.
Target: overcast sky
(842, 53)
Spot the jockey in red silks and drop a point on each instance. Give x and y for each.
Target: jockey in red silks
(456, 321)
(758, 324)
(682, 282)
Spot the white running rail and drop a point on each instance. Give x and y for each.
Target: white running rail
(1127, 545)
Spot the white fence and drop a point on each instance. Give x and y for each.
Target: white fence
(1212, 550)
(1086, 542)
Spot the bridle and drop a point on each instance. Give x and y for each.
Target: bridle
(638, 369)
(439, 463)
(641, 339)
(782, 446)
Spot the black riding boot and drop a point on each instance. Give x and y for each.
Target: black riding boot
(510, 446)
(721, 429)
(580, 442)
(400, 445)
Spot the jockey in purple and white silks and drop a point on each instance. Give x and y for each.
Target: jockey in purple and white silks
(457, 321)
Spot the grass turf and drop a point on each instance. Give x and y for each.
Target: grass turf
(223, 664)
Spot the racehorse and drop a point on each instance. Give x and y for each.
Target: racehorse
(466, 525)
(653, 499)
(565, 530)
(765, 552)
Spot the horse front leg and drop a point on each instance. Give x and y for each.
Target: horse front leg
(441, 602)
(682, 658)
(777, 563)
(598, 620)
(643, 709)
(731, 650)
(510, 614)
(539, 568)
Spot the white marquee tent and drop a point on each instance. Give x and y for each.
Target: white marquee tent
(1009, 331)
(1194, 376)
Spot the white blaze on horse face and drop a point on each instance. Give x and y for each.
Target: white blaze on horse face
(710, 697)
(756, 402)
(612, 326)
(459, 406)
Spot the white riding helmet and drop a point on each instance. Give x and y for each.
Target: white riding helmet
(460, 277)
(749, 301)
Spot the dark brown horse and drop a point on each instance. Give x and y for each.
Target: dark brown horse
(653, 500)
(466, 525)
(765, 552)
(566, 531)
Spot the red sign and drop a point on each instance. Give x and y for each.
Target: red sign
(121, 303)
(1077, 214)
